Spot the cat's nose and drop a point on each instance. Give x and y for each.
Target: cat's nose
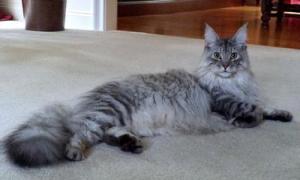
(225, 66)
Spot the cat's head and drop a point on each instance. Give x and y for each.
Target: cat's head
(225, 57)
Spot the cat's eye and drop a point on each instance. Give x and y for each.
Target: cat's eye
(233, 55)
(217, 55)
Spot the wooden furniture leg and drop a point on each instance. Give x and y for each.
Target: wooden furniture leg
(280, 10)
(45, 15)
(266, 6)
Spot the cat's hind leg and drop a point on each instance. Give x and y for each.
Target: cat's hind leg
(278, 115)
(124, 139)
(76, 149)
(88, 130)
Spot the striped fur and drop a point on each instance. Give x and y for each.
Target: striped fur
(121, 113)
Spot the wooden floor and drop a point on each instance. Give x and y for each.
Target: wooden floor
(225, 21)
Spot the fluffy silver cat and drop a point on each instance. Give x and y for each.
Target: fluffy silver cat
(219, 95)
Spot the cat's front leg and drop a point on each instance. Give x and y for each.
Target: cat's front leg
(238, 113)
(277, 115)
(247, 115)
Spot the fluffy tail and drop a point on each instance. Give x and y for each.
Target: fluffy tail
(41, 140)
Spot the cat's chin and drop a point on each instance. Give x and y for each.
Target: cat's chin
(224, 74)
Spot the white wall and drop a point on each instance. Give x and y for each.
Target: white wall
(14, 7)
(91, 14)
(80, 14)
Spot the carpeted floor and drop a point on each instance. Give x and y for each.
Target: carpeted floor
(39, 68)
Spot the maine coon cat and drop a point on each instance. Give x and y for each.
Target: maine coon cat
(219, 95)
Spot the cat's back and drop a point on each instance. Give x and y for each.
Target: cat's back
(171, 83)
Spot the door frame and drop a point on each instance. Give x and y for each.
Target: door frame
(105, 15)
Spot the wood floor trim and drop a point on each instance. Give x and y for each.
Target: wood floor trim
(173, 6)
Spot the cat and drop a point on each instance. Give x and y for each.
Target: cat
(221, 94)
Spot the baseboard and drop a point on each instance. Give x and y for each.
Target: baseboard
(164, 7)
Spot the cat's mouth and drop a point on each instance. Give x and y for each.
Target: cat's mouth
(225, 74)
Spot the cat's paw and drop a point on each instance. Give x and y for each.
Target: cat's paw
(131, 144)
(74, 153)
(251, 117)
(279, 115)
(284, 116)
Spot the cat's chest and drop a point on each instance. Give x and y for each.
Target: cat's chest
(246, 90)
(243, 87)
(240, 90)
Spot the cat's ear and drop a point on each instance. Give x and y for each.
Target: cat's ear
(240, 36)
(211, 37)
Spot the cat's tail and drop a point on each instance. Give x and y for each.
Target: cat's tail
(41, 140)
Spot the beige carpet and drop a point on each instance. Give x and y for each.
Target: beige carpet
(39, 68)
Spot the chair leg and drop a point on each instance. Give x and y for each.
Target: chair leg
(266, 6)
(280, 10)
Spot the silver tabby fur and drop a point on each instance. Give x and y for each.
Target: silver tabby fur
(219, 95)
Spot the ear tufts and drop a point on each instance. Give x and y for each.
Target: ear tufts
(240, 36)
(210, 35)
